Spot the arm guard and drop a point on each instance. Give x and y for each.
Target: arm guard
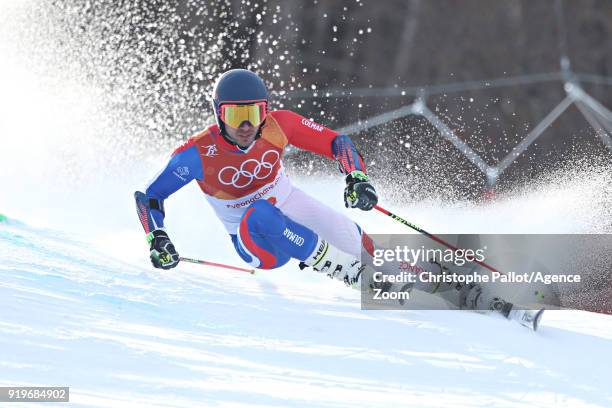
(184, 166)
(347, 155)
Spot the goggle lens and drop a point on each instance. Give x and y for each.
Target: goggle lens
(235, 115)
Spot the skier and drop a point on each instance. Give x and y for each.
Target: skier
(238, 164)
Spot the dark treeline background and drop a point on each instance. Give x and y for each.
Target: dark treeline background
(158, 59)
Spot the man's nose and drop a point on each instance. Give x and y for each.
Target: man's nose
(246, 125)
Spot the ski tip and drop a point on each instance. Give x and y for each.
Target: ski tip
(529, 318)
(537, 318)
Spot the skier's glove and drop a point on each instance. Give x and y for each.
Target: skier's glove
(359, 193)
(163, 254)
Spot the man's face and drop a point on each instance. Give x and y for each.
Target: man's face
(242, 136)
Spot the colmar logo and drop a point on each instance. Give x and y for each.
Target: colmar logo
(312, 125)
(251, 169)
(293, 237)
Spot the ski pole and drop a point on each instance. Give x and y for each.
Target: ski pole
(427, 234)
(219, 265)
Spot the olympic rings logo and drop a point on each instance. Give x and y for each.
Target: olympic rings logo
(249, 170)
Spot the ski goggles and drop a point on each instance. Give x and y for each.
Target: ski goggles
(235, 115)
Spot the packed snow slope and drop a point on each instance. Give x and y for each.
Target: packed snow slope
(81, 307)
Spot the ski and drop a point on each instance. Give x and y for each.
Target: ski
(526, 317)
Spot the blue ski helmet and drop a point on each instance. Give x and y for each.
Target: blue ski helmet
(237, 86)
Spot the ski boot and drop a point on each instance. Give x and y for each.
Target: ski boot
(337, 264)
